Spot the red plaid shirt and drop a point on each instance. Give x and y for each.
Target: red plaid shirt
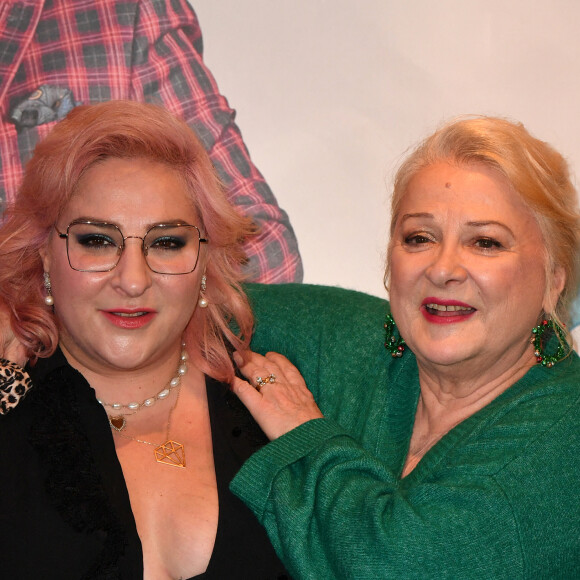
(144, 50)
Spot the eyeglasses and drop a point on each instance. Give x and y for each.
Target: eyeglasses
(98, 246)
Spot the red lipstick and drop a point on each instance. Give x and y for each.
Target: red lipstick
(129, 318)
(439, 311)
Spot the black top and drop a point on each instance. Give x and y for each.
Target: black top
(64, 505)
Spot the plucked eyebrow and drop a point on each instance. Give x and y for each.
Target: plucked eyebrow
(147, 226)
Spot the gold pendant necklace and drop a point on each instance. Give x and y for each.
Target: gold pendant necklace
(171, 452)
(118, 420)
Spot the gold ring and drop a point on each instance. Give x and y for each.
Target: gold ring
(260, 382)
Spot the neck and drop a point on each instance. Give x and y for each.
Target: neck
(126, 385)
(449, 397)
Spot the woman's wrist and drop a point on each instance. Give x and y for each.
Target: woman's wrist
(15, 382)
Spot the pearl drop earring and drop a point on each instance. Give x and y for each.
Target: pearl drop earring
(48, 299)
(203, 303)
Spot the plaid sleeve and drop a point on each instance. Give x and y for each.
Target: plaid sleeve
(168, 67)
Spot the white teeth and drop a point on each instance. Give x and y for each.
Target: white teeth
(450, 308)
(129, 314)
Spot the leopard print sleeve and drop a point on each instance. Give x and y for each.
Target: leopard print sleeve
(14, 384)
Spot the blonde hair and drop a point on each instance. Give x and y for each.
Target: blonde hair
(535, 170)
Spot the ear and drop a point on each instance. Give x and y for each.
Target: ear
(203, 258)
(554, 289)
(45, 255)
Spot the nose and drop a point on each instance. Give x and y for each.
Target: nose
(132, 275)
(447, 266)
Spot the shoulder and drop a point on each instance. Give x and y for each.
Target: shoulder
(288, 301)
(286, 314)
(334, 336)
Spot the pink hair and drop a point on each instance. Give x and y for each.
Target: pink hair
(124, 129)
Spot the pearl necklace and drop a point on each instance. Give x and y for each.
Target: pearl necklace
(171, 452)
(118, 419)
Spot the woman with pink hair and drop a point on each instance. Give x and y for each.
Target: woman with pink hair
(119, 265)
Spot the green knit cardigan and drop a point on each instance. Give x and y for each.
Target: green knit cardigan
(497, 497)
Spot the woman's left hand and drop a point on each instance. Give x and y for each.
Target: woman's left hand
(279, 405)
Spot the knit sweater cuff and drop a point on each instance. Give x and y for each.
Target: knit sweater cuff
(253, 482)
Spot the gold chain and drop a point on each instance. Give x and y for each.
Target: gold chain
(171, 452)
(166, 430)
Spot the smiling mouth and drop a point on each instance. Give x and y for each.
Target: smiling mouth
(448, 310)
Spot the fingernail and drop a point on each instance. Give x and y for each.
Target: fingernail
(238, 359)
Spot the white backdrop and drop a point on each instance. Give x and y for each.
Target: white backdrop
(330, 93)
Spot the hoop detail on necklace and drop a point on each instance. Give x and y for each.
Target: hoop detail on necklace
(169, 453)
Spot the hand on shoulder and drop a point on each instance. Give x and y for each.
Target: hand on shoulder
(275, 393)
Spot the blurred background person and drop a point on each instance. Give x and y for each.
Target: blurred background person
(56, 55)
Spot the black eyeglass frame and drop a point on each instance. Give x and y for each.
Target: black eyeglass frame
(124, 238)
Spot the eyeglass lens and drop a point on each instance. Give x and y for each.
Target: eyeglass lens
(167, 249)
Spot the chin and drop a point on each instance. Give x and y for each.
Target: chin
(124, 358)
(443, 353)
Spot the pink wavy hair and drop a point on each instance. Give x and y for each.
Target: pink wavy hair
(124, 129)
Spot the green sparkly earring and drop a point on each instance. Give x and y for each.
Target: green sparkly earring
(562, 350)
(394, 345)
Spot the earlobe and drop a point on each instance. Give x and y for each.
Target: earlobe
(554, 289)
(45, 257)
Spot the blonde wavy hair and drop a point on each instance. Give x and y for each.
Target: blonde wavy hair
(535, 170)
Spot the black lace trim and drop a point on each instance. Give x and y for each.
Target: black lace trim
(73, 483)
